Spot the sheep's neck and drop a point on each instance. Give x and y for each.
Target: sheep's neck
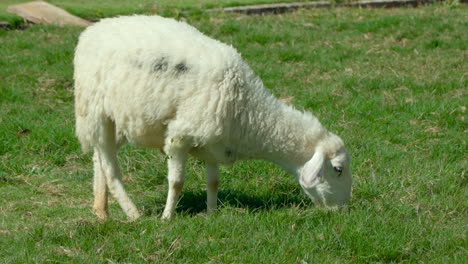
(280, 134)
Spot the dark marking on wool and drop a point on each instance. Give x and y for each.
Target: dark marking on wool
(181, 68)
(160, 65)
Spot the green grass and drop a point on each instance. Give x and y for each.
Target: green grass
(95, 10)
(392, 83)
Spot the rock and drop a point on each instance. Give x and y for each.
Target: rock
(39, 12)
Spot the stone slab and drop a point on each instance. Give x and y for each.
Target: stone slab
(40, 12)
(287, 7)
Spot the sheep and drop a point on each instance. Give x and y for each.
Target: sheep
(160, 83)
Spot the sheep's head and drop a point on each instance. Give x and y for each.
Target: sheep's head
(326, 177)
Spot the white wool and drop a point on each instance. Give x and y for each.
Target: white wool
(163, 84)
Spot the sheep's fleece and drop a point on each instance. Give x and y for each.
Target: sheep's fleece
(156, 82)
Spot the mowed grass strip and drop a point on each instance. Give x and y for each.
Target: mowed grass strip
(392, 83)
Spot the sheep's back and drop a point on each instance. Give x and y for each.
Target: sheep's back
(143, 72)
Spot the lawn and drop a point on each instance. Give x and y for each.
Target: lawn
(391, 82)
(94, 10)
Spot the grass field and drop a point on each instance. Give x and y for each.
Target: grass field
(392, 83)
(94, 10)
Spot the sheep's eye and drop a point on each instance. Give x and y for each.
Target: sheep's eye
(339, 170)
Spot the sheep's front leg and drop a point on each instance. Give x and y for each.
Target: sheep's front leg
(99, 188)
(212, 183)
(176, 179)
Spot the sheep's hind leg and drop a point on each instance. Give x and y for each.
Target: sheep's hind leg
(176, 179)
(107, 157)
(99, 188)
(212, 183)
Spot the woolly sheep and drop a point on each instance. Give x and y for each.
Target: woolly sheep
(156, 82)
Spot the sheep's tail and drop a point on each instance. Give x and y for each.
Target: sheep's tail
(86, 133)
(90, 118)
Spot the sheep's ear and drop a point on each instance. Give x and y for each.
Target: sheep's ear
(313, 170)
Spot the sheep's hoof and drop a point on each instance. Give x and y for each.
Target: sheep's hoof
(211, 211)
(134, 216)
(167, 216)
(101, 214)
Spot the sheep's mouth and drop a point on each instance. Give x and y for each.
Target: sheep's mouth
(323, 198)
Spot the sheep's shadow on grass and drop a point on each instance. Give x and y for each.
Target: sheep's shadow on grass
(194, 202)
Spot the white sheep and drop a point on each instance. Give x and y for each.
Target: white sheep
(156, 82)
